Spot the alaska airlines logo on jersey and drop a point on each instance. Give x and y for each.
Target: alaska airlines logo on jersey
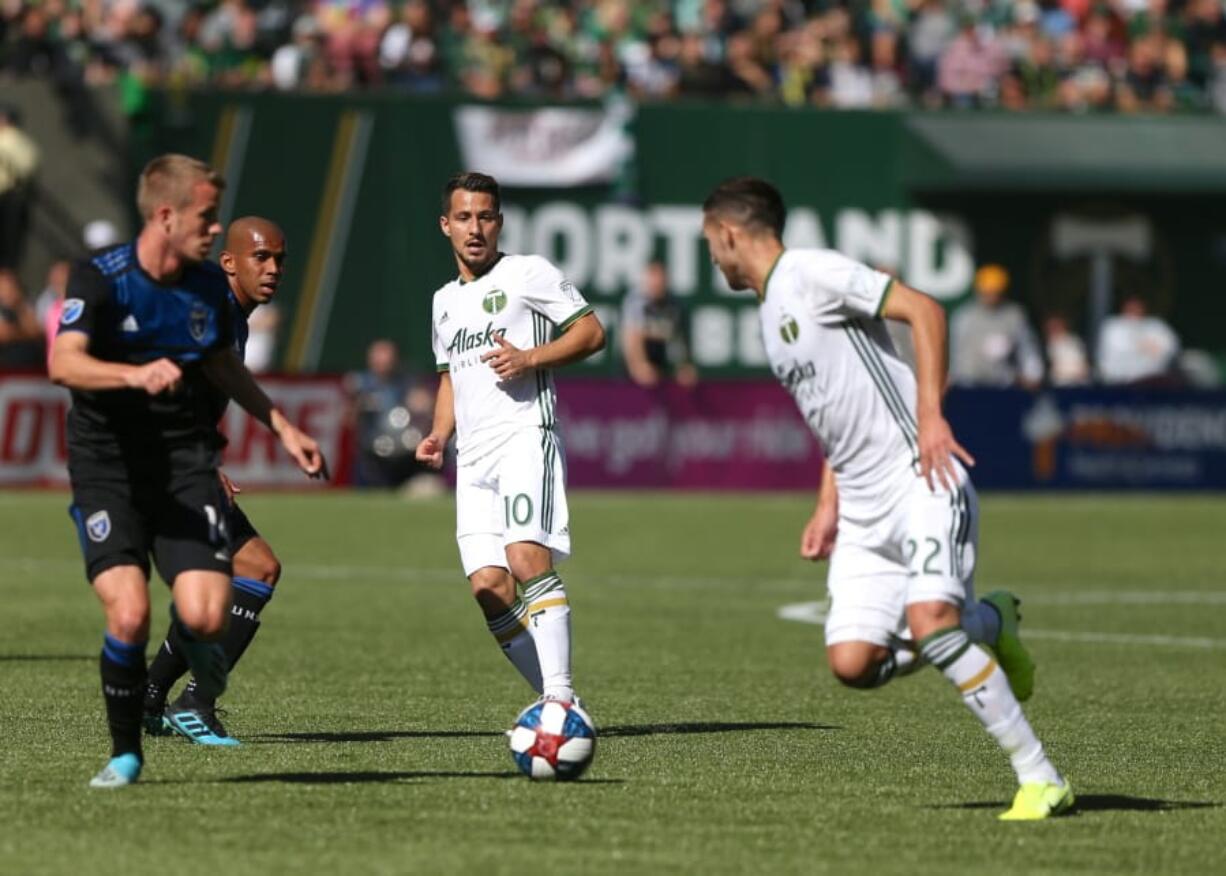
(73, 308)
(494, 301)
(794, 375)
(464, 340)
(98, 526)
(789, 329)
(198, 322)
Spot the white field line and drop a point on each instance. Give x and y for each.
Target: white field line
(1049, 593)
(815, 613)
(803, 612)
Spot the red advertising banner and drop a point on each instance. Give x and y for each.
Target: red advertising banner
(727, 434)
(33, 451)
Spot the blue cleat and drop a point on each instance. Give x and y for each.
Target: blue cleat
(198, 724)
(119, 771)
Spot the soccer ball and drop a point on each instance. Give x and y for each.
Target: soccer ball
(553, 741)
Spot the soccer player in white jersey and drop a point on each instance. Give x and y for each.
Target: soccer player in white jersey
(493, 330)
(904, 511)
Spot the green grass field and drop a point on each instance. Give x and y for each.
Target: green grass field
(373, 703)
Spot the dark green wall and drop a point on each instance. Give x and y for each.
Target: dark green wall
(851, 174)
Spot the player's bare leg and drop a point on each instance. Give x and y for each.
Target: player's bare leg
(124, 594)
(506, 615)
(985, 691)
(548, 614)
(866, 665)
(194, 714)
(256, 572)
(199, 614)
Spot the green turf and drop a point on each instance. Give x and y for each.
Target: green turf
(373, 702)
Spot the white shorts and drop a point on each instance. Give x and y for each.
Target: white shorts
(922, 551)
(516, 493)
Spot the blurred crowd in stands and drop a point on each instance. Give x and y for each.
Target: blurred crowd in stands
(1073, 55)
(992, 344)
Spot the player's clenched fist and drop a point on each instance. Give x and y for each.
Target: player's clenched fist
(430, 451)
(507, 360)
(155, 377)
(817, 539)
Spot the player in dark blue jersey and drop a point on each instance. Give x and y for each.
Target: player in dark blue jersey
(253, 260)
(145, 342)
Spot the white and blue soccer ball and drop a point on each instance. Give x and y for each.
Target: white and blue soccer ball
(553, 741)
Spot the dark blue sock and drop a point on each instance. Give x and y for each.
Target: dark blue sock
(122, 666)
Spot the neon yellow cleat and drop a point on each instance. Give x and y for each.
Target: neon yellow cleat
(1039, 800)
(1014, 658)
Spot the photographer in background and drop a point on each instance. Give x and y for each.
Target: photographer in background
(653, 332)
(391, 412)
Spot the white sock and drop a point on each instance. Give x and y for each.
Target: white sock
(511, 632)
(549, 622)
(981, 621)
(985, 690)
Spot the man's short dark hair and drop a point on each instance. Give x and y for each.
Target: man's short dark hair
(472, 182)
(749, 201)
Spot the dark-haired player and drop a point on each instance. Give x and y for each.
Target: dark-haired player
(901, 527)
(253, 258)
(144, 343)
(493, 345)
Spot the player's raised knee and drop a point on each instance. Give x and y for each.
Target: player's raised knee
(855, 664)
(204, 622)
(128, 623)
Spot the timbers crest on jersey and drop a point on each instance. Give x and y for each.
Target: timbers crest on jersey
(495, 301)
(789, 329)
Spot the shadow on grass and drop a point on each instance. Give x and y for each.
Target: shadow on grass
(366, 736)
(627, 730)
(380, 776)
(1100, 803)
(709, 727)
(45, 658)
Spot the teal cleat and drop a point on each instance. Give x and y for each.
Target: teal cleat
(119, 772)
(1014, 659)
(200, 725)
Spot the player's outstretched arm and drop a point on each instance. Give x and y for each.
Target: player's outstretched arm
(584, 337)
(817, 539)
(430, 449)
(228, 373)
(74, 367)
(937, 445)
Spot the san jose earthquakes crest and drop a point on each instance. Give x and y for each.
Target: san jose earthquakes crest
(198, 322)
(98, 526)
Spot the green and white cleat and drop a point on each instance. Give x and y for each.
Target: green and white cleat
(1038, 800)
(118, 773)
(1014, 659)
